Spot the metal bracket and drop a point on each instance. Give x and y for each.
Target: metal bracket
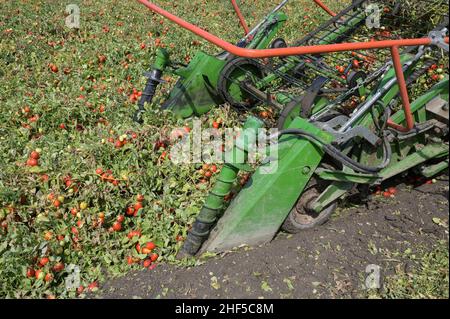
(438, 39)
(342, 138)
(154, 75)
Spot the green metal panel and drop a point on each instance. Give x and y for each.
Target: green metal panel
(333, 192)
(195, 93)
(258, 211)
(432, 170)
(420, 156)
(342, 176)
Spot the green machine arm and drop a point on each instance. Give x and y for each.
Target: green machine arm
(260, 208)
(196, 91)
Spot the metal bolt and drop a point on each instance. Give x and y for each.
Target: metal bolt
(306, 170)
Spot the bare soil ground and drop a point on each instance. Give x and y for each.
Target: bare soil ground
(326, 262)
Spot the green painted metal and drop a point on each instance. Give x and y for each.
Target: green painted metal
(332, 193)
(349, 25)
(196, 91)
(342, 176)
(162, 60)
(432, 170)
(260, 208)
(422, 155)
(227, 177)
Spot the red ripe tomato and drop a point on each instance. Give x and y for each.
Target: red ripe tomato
(48, 277)
(138, 206)
(138, 248)
(58, 267)
(150, 245)
(54, 68)
(56, 203)
(215, 125)
(39, 274)
(93, 285)
(147, 263)
(99, 171)
(213, 168)
(130, 211)
(154, 257)
(392, 190)
(30, 272)
(117, 226)
(120, 218)
(35, 155)
(80, 290)
(387, 194)
(43, 261)
(32, 162)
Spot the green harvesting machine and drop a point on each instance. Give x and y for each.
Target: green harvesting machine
(357, 101)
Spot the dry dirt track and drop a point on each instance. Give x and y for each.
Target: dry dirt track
(329, 261)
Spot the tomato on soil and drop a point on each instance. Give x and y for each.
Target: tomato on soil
(147, 263)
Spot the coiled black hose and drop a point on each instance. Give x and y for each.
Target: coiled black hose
(341, 157)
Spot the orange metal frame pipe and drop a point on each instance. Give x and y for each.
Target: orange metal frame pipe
(240, 16)
(315, 49)
(267, 53)
(323, 6)
(403, 93)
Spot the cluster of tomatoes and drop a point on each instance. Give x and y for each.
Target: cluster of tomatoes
(33, 159)
(436, 73)
(148, 250)
(31, 118)
(121, 140)
(44, 271)
(107, 176)
(135, 95)
(207, 171)
(134, 209)
(387, 193)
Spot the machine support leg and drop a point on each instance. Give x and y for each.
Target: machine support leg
(403, 93)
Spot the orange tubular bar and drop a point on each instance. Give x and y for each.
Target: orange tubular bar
(267, 53)
(403, 93)
(315, 49)
(323, 6)
(240, 16)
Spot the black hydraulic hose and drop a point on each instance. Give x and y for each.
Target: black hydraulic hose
(341, 157)
(154, 78)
